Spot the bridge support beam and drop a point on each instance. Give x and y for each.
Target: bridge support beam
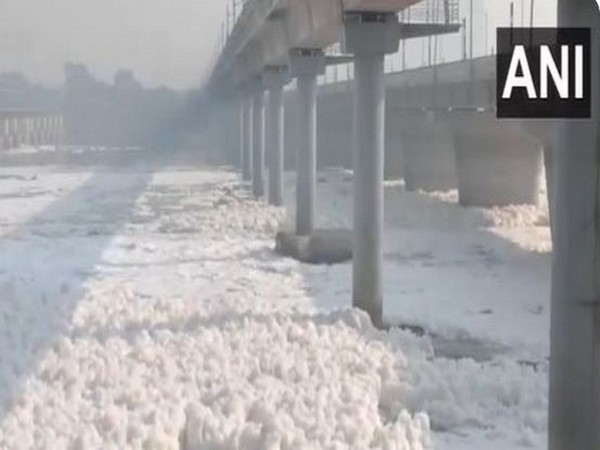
(30, 130)
(258, 143)
(4, 134)
(241, 135)
(496, 165)
(24, 131)
(36, 131)
(575, 319)
(15, 133)
(275, 79)
(428, 149)
(545, 131)
(47, 131)
(247, 139)
(306, 65)
(369, 36)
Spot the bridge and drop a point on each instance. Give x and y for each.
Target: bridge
(442, 134)
(274, 41)
(443, 119)
(30, 127)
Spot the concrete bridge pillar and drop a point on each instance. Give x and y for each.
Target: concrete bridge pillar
(545, 131)
(16, 132)
(36, 130)
(62, 131)
(24, 130)
(52, 130)
(247, 138)
(290, 144)
(428, 148)
(30, 127)
(47, 135)
(227, 140)
(575, 320)
(29, 130)
(48, 130)
(4, 133)
(497, 164)
(39, 131)
(33, 128)
(305, 66)
(241, 135)
(258, 142)
(275, 79)
(369, 36)
(9, 132)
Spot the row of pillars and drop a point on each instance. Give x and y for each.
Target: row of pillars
(368, 37)
(575, 325)
(21, 128)
(574, 400)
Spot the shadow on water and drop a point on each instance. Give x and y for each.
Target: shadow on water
(46, 263)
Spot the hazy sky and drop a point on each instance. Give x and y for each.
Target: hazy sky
(163, 41)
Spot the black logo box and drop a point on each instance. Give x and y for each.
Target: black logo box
(520, 105)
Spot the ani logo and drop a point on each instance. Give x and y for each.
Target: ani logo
(544, 73)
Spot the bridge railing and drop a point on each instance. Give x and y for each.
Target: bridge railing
(427, 12)
(30, 128)
(434, 50)
(432, 12)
